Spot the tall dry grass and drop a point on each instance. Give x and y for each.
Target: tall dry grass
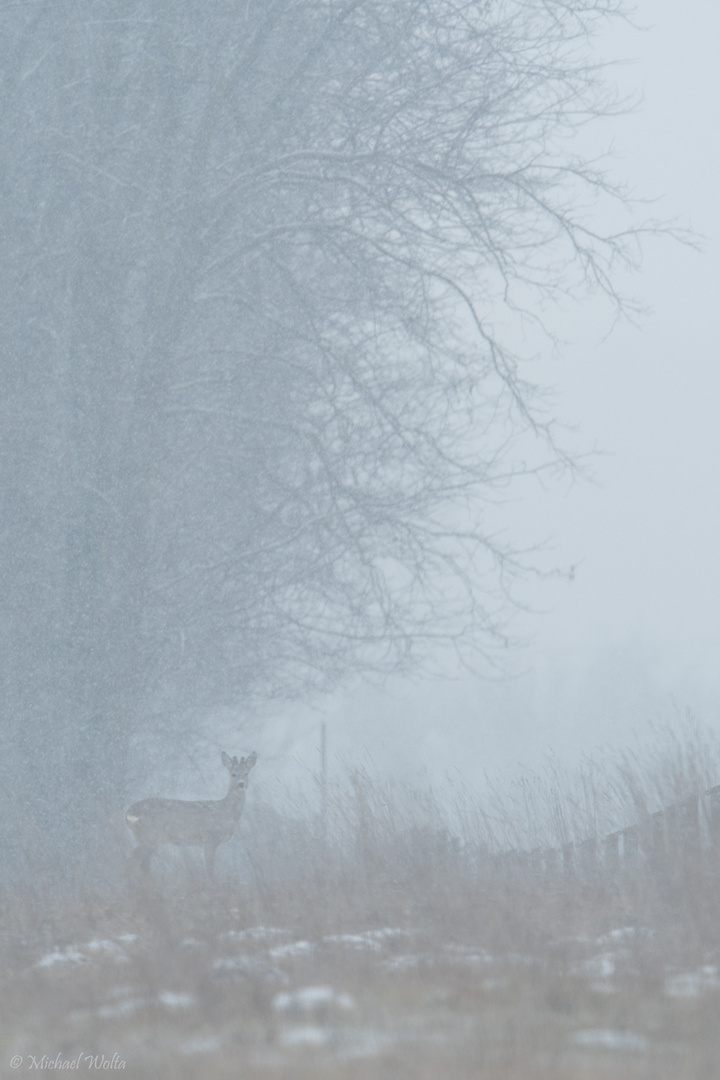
(465, 941)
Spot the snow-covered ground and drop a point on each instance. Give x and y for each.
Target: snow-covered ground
(362, 997)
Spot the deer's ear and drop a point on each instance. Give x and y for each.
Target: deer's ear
(226, 761)
(251, 760)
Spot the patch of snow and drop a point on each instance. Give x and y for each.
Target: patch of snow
(692, 984)
(254, 933)
(601, 966)
(309, 998)
(372, 940)
(609, 1039)
(73, 954)
(69, 955)
(354, 941)
(294, 948)
(389, 932)
(172, 1000)
(108, 948)
(624, 933)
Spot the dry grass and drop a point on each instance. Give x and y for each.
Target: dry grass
(388, 940)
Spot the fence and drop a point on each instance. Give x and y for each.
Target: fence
(692, 825)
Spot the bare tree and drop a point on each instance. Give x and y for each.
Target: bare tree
(400, 181)
(257, 406)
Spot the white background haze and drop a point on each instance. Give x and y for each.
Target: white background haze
(635, 637)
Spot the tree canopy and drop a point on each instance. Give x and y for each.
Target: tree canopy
(255, 399)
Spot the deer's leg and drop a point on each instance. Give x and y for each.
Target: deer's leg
(140, 859)
(209, 849)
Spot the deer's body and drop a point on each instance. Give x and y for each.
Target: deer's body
(207, 823)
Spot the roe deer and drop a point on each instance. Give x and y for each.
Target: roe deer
(155, 822)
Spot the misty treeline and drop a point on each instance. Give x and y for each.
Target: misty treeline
(257, 406)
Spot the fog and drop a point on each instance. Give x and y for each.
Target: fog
(244, 500)
(358, 539)
(633, 639)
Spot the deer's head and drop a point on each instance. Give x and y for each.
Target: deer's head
(238, 770)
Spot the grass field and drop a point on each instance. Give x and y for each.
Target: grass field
(387, 939)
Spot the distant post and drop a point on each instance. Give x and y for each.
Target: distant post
(323, 781)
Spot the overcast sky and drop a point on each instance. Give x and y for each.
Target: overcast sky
(636, 635)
